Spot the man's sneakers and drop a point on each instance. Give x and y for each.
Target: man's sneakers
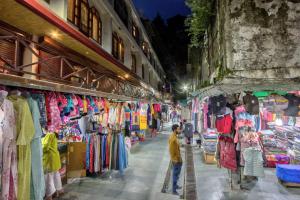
(177, 188)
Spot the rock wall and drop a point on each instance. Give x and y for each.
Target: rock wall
(263, 38)
(254, 38)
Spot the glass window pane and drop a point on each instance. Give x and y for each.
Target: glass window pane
(71, 10)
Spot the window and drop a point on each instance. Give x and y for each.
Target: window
(121, 50)
(78, 14)
(95, 25)
(143, 71)
(145, 48)
(115, 43)
(72, 11)
(135, 32)
(84, 16)
(133, 66)
(7, 52)
(118, 48)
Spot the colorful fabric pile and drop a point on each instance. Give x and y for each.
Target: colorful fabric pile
(209, 141)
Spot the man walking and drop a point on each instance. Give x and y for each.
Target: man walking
(176, 159)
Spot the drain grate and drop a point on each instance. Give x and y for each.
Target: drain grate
(167, 179)
(190, 192)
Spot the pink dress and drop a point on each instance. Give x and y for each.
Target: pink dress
(53, 113)
(205, 111)
(8, 134)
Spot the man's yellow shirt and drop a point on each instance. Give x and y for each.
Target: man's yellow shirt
(174, 149)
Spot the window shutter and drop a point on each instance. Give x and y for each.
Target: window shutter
(7, 52)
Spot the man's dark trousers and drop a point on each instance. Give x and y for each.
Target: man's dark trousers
(176, 172)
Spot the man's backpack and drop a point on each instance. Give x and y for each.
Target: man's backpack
(188, 130)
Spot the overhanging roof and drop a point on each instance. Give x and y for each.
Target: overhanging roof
(17, 81)
(33, 18)
(233, 85)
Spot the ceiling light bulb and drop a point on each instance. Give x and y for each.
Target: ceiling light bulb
(54, 34)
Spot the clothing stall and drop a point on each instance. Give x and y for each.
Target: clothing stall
(50, 133)
(249, 131)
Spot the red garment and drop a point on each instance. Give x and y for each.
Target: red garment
(224, 124)
(107, 159)
(227, 153)
(269, 117)
(156, 108)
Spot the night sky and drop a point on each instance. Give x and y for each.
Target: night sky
(166, 8)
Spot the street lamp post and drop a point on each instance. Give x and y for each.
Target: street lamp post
(186, 90)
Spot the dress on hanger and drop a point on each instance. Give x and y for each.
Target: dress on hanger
(25, 132)
(8, 134)
(37, 172)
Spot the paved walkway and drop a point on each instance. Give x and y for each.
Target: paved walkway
(142, 180)
(213, 184)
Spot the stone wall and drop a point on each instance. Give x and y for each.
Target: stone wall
(255, 38)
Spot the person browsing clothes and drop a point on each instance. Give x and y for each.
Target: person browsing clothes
(175, 155)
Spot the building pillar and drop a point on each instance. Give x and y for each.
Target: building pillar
(30, 57)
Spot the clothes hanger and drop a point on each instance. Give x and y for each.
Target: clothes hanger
(25, 93)
(15, 91)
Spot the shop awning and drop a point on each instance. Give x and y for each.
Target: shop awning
(233, 85)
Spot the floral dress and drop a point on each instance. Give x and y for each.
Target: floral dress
(9, 177)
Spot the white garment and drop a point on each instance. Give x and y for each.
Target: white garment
(53, 183)
(112, 116)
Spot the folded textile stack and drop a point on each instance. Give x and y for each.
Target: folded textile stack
(275, 147)
(210, 146)
(268, 138)
(292, 135)
(273, 159)
(210, 136)
(210, 140)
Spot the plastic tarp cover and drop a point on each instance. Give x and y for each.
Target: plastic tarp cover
(288, 173)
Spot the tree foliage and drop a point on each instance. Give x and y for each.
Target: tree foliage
(198, 21)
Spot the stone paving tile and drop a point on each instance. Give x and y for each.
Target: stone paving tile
(143, 180)
(212, 183)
